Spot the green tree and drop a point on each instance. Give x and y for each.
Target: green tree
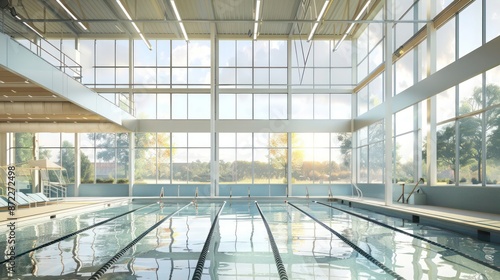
(470, 133)
(67, 159)
(279, 157)
(492, 121)
(24, 147)
(225, 171)
(345, 147)
(445, 147)
(116, 147)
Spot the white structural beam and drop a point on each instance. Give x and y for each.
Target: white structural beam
(214, 163)
(78, 165)
(431, 102)
(388, 157)
(4, 147)
(131, 163)
(277, 126)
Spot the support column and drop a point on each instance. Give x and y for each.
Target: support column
(354, 143)
(289, 117)
(484, 119)
(354, 113)
(389, 46)
(4, 147)
(431, 102)
(131, 104)
(36, 173)
(78, 166)
(11, 153)
(417, 111)
(214, 109)
(131, 167)
(289, 164)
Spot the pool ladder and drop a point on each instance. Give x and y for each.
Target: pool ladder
(402, 196)
(358, 191)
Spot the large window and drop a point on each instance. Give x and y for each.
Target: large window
(104, 157)
(172, 158)
(370, 48)
(320, 158)
(252, 64)
(315, 66)
(252, 158)
(259, 106)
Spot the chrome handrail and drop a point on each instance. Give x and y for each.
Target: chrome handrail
(402, 196)
(413, 190)
(358, 191)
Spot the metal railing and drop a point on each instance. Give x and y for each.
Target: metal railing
(402, 196)
(54, 191)
(414, 187)
(45, 50)
(359, 193)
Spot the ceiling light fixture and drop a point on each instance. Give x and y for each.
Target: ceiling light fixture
(30, 27)
(2, 82)
(352, 25)
(178, 16)
(133, 24)
(13, 91)
(256, 24)
(320, 17)
(71, 14)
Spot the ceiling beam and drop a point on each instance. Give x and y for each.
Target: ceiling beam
(297, 9)
(120, 22)
(230, 20)
(68, 22)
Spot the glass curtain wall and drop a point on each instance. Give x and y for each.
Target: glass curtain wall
(466, 114)
(281, 81)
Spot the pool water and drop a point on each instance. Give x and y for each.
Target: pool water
(314, 241)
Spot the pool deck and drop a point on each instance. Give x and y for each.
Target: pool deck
(57, 208)
(482, 225)
(485, 226)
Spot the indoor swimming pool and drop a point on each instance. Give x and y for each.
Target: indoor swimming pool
(243, 239)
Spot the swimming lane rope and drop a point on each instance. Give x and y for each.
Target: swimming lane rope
(203, 255)
(277, 257)
(100, 272)
(75, 233)
(354, 246)
(414, 236)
